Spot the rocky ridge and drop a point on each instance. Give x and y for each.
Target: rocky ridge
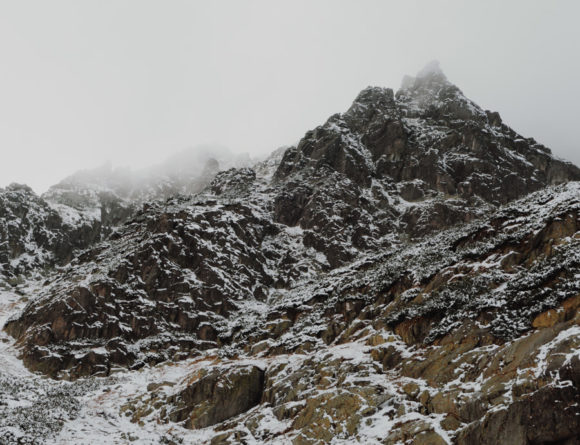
(39, 232)
(35, 235)
(114, 195)
(408, 273)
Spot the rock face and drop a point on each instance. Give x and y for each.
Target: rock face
(529, 421)
(218, 396)
(34, 234)
(408, 273)
(37, 233)
(347, 178)
(166, 277)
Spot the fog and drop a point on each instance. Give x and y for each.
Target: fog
(134, 81)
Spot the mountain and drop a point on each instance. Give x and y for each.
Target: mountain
(116, 194)
(185, 172)
(409, 272)
(40, 232)
(35, 235)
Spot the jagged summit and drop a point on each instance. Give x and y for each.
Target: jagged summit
(428, 131)
(428, 155)
(430, 74)
(431, 91)
(429, 79)
(432, 69)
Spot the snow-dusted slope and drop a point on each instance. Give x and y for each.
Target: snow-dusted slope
(35, 235)
(337, 344)
(408, 273)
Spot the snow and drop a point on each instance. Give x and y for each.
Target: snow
(546, 350)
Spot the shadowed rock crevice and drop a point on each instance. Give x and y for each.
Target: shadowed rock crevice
(217, 396)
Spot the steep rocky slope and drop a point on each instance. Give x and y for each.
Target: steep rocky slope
(39, 232)
(35, 234)
(408, 273)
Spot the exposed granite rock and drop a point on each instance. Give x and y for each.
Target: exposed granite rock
(217, 396)
(426, 140)
(166, 278)
(549, 415)
(35, 235)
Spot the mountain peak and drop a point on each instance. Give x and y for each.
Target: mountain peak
(428, 133)
(430, 75)
(431, 69)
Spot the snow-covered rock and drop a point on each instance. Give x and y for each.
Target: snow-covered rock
(408, 273)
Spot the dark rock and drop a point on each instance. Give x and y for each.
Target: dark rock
(34, 235)
(218, 396)
(550, 415)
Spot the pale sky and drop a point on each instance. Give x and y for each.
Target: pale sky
(132, 81)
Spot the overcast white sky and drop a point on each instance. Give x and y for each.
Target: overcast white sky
(131, 81)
